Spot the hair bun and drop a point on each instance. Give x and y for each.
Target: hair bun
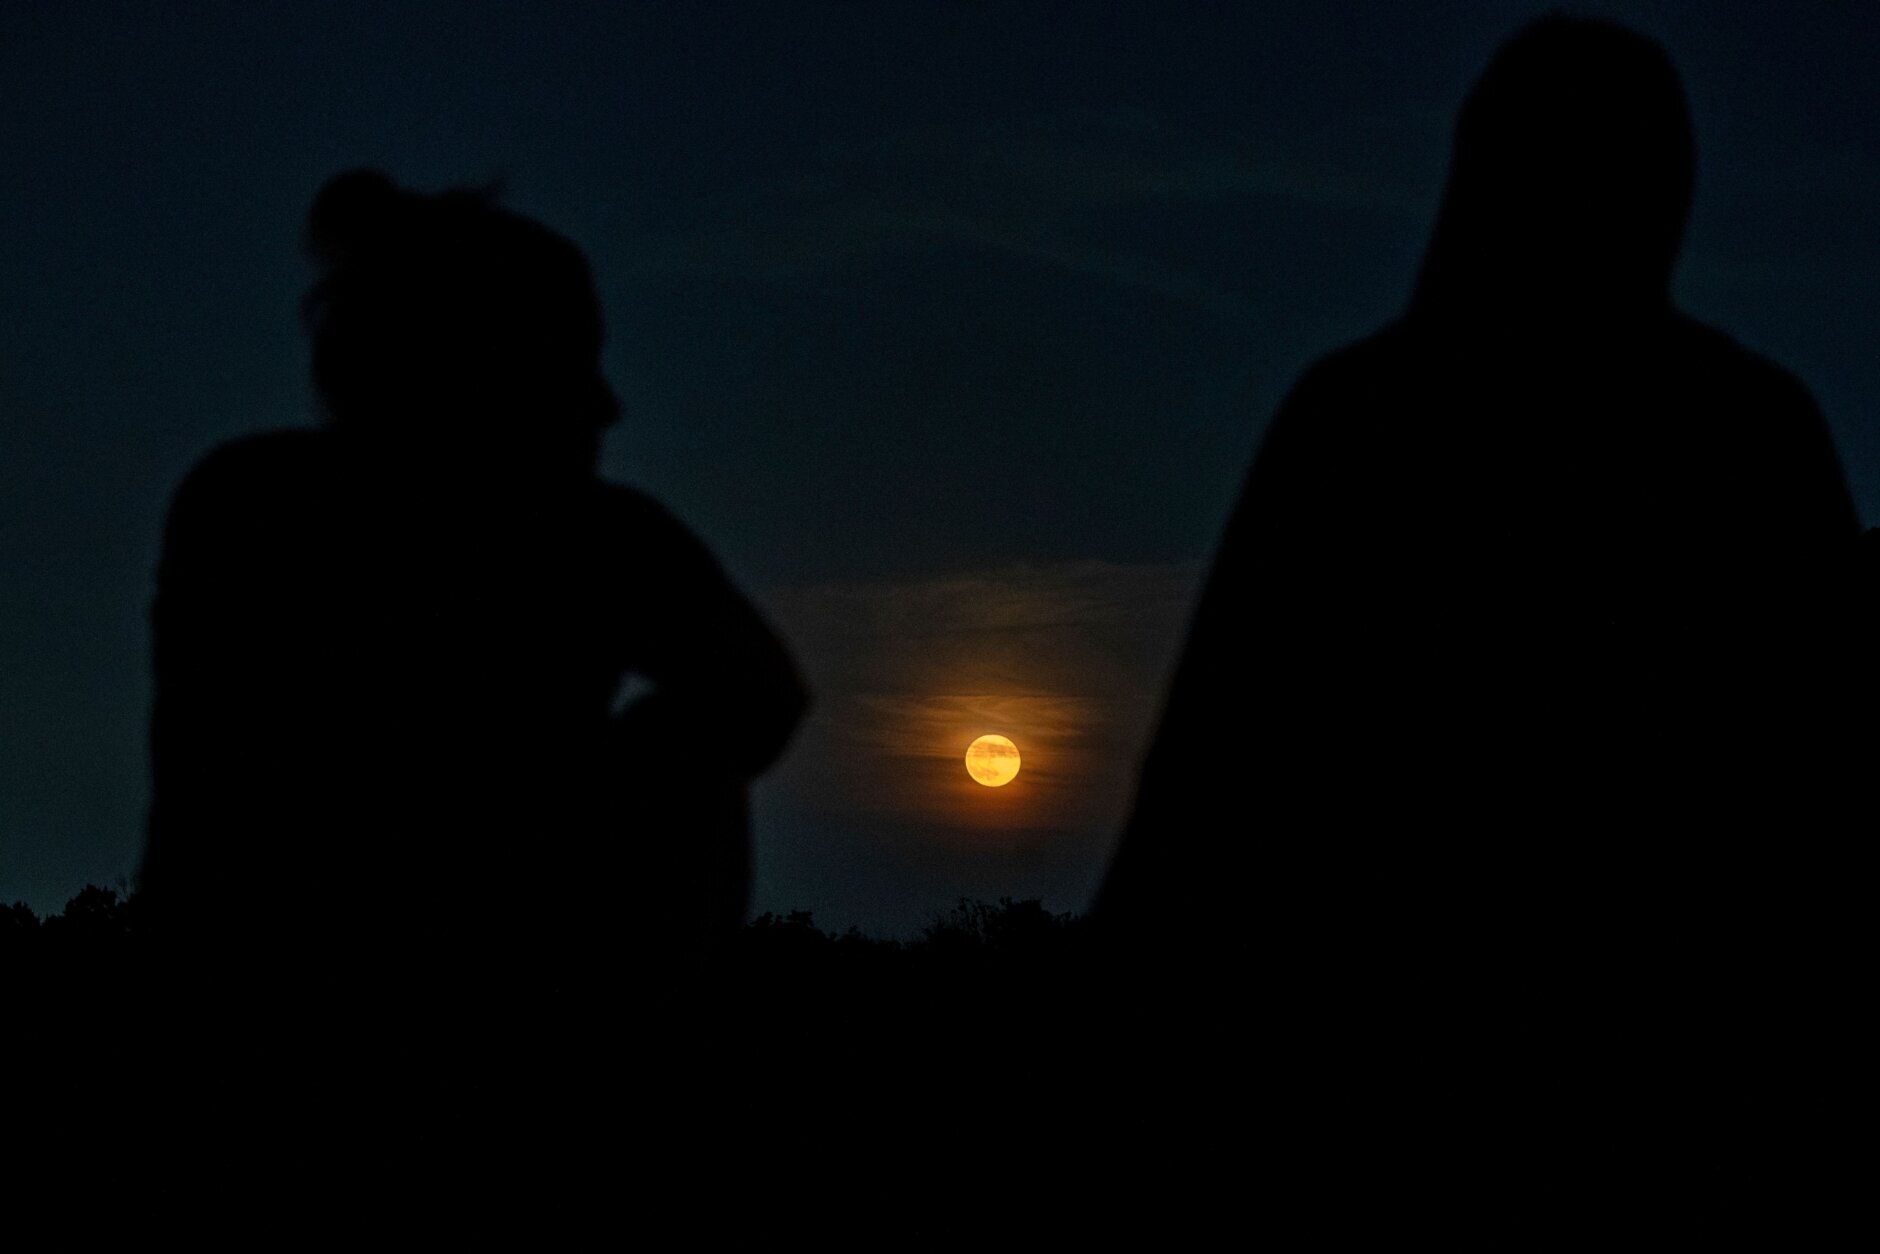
(347, 208)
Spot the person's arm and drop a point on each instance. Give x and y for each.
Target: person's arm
(726, 696)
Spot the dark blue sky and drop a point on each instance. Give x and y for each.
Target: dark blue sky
(950, 327)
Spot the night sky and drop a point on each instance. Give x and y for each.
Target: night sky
(950, 327)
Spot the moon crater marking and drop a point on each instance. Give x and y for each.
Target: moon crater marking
(993, 761)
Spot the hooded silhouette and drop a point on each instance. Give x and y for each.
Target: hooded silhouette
(1501, 718)
(388, 770)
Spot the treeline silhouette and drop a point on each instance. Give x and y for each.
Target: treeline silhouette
(98, 925)
(809, 1030)
(107, 924)
(1015, 960)
(1014, 956)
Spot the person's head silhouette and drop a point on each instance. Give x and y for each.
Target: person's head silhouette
(448, 322)
(1570, 181)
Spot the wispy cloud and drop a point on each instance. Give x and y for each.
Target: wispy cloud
(943, 725)
(1067, 660)
(1040, 187)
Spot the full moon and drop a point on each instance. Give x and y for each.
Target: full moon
(992, 760)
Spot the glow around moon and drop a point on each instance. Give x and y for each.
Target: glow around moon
(993, 761)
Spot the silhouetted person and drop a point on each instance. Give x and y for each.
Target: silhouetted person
(1493, 763)
(388, 772)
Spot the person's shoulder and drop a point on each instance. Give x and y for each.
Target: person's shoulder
(1334, 398)
(638, 520)
(261, 465)
(621, 505)
(244, 495)
(1379, 349)
(1380, 358)
(1737, 371)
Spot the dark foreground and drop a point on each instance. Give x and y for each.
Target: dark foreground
(1002, 1048)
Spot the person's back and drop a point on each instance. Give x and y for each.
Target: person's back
(392, 795)
(416, 681)
(1491, 725)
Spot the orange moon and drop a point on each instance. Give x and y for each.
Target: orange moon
(993, 761)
